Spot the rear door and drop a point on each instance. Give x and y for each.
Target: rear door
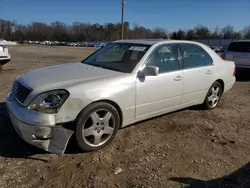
(198, 73)
(239, 52)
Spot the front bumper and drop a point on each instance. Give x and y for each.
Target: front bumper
(4, 60)
(38, 129)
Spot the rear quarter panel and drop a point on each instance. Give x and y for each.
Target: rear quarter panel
(224, 71)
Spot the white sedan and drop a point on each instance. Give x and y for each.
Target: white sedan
(122, 83)
(4, 55)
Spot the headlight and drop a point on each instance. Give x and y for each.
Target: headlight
(49, 102)
(3, 48)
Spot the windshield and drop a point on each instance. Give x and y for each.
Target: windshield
(239, 47)
(122, 57)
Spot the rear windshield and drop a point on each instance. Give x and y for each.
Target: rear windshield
(239, 47)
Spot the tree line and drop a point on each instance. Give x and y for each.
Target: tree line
(81, 31)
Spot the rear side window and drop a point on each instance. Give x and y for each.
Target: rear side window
(239, 47)
(194, 56)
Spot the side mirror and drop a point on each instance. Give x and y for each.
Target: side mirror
(150, 71)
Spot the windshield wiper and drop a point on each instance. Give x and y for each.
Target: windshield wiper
(106, 67)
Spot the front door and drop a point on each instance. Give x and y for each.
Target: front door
(162, 93)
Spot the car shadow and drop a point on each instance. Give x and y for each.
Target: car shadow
(242, 75)
(237, 179)
(11, 145)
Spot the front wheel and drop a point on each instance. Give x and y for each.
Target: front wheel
(97, 126)
(213, 96)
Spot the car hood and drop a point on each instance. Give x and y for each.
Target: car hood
(65, 74)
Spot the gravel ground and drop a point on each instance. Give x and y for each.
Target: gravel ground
(188, 148)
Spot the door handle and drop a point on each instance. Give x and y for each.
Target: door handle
(177, 78)
(208, 72)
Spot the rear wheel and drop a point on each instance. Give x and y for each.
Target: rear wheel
(97, 126)
(213, 96)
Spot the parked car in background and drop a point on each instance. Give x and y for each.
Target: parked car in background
(212, 47)
(239, 52)
(85, 44)
(218, 49)
(102, 45)
(62, 43)
(91, 44)
(4, 56)
(122, 83)
(222, 49)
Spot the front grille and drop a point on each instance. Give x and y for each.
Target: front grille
(21, 92)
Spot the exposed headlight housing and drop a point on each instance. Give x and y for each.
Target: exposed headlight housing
(49, 102)
(3, 47)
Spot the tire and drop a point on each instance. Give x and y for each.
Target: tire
(213, 96)
(1, 68)
(96, 126)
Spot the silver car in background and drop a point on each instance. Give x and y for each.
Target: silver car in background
(239, 52)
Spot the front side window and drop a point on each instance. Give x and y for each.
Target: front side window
(165, 57)
(122, 57)
(194, 56)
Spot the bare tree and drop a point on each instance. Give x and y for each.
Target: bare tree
(180, 35)
(191, 35)
(246, 32)
(85, 31)
(202, 32)
(228, 32)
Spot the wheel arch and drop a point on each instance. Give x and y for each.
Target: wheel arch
(117, 107)
(221, 83)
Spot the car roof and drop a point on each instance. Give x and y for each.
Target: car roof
(154, 41)
(241, 41)
(140, 41)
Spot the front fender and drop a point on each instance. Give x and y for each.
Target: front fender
(121, 92)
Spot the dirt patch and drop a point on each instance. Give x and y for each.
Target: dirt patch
(191, 147)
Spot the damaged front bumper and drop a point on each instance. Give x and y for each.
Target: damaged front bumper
(38, 129)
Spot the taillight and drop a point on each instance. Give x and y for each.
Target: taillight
(223, 56)
(234, 73)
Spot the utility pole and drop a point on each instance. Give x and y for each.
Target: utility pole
(123, 3)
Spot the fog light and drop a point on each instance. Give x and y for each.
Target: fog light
(42, 137)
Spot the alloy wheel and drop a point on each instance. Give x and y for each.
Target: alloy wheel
(98, 127)
(214, 96)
